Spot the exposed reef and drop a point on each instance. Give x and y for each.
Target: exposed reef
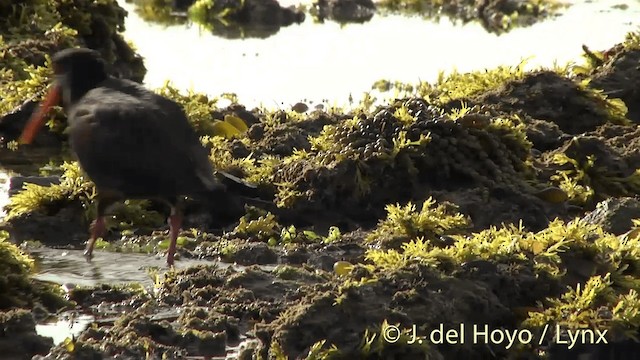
(505, 198)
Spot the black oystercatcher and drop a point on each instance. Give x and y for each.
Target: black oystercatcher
(131, 142)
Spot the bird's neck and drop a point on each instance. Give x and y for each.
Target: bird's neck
(78, 86)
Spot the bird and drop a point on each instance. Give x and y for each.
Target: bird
(131, 142)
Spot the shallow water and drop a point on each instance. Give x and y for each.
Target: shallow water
(64, 327)
(329, 61)
(70, 266)
(5, 176)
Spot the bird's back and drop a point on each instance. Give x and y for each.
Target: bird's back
(130, 139)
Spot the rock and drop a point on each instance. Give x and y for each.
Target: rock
(62, 228)
(255, 254)
(11, 124)
(323, 262)
(17, 182)
(545, 135)
(615, 215)
(297, 256)
(548, 96)
(247, 349)
(619, 78)
(19, 339)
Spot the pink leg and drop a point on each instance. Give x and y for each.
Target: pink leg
(175, 223)
(97, 231)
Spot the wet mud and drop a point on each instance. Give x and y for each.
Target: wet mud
(503, 198)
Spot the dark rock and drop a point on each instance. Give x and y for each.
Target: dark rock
(251, 18)
(247, 349)
(255, 254)
(62, 228)
(17, 182)
(297, 256)
(545, 135)
(323, 262)
(619, 78)
(18, 337)
(11, 124)
(546, 95)
(615, 215)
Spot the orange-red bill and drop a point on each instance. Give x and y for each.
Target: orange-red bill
(39, 116)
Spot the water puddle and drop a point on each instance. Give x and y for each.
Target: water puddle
(5, 184)
(69, 268)
(65, 326)
(330, 61)
(64, 266)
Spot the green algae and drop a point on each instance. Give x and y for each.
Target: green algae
(36, 29)
(14, 261)
(17, 289)
(510, 243)
(596, 305)
(198, 107)
(586, 181)
(458, 86)
(603, 298)
(406, 222)
(202, 11)
(75, 187)
(257, 226)
(435, 256)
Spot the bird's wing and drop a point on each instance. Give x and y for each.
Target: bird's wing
(137, 146)
(181, 124)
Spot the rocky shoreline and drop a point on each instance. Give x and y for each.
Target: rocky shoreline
(505, 198)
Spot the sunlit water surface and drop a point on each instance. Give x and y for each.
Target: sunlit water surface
(329, 61)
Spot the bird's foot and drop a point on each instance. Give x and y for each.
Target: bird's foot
(97, 230)
(88, 254)
(170, 262)
(175, 222)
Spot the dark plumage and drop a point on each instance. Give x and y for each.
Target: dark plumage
(131, 142)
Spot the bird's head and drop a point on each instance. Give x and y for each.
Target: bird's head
(76, 71)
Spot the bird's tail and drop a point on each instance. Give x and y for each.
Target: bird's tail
(237, 180)
(222, 206)
(228, 203)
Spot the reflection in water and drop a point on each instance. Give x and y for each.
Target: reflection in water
(70, 266)
(4, 192)
(329, 61)
(63, 266)
(230, 19)
(240, 19)
(64, 327)
(159, 12)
